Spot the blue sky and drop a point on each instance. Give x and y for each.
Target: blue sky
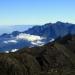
(17, 12)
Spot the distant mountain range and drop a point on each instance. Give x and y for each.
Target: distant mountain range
(35, 36)
(53, 30)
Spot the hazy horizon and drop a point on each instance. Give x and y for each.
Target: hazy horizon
(9, 29)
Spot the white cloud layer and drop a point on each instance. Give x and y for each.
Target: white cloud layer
(14, 50)
(29, 37)
(52, 40)
(6, 51)
(33, 39)
(38, 43)
(10, 41)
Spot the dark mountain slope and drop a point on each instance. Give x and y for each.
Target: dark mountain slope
(56, 58)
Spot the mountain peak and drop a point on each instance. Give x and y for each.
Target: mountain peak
(59, 22)
(48, 24)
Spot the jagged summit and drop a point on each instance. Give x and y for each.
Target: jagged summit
(59, 22)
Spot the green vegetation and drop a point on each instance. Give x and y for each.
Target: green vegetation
(56, 58)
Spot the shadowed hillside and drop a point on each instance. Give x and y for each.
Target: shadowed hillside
(56, 58)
